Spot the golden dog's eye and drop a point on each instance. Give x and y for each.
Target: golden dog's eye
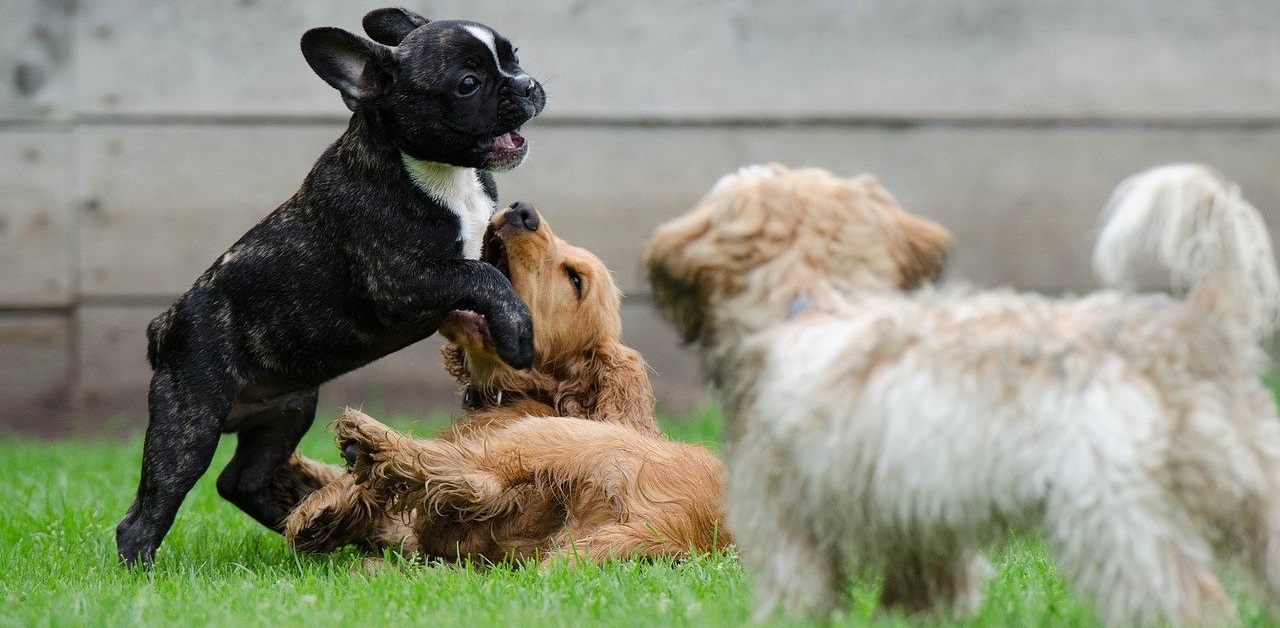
(575, 279)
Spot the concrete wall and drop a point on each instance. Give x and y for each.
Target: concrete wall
(139, 139)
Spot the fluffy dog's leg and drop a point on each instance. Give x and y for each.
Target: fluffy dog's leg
(628, 540)
(950, 582)
(792, 571)
(1262, 555)
(298, 477)
(341, 513)
(1255, 510)
(790, 568)
(182, 434)
(265, 440)
(435, 475)
(1127, 552)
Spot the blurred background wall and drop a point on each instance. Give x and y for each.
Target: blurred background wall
(139, 139)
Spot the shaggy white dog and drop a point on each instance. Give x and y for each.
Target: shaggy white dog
(874, 425)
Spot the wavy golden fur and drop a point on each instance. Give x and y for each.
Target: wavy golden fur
(511, 478)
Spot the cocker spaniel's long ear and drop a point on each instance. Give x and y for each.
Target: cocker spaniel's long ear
(611, 386)
(455, 363)
(923, 252)
(625, 394)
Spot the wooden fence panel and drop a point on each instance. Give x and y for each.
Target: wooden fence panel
(35, 218)
(163, 202)
(140, 139)
(35, 59)
(115, 374)
(1022, 202)
(35, 373)
(982, 59)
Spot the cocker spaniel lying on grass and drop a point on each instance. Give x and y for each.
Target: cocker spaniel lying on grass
(878, 424)
(514, 478)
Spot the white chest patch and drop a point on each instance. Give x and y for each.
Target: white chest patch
(459, 190)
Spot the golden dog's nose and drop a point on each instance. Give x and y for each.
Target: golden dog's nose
(522, 214)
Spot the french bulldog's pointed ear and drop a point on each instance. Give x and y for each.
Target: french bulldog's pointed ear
(360, 69)
(390, 26)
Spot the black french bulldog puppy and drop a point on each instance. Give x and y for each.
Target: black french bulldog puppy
(381, 241)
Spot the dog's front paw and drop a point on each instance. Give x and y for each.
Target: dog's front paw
(359, 437)
(513, 336)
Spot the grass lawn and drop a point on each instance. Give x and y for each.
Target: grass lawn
(57, 565)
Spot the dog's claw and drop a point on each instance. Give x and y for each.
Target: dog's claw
(350, 452)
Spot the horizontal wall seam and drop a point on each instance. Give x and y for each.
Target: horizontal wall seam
(730, 122)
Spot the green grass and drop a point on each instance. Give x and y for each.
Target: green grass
(61, 501)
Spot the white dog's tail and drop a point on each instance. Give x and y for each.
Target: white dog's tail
(1191, 222)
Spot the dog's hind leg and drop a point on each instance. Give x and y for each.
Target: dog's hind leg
(298, 477)
(1127, 553)
(948, 581)
(1260, 552)
(182, 435)
(342, 513)
(429, 474)
(792, 570)
(264, 442)
(1245, 491)
(789, 566)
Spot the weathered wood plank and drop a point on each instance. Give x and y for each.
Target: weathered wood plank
(35, 373)
(673, 369)
(161, 203)
(115, 374)
(35, 59)
(684, 59)
(36, 218)
(112, 360)
(1022, 203)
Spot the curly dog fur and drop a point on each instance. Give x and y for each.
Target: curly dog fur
(513, 478)
(878, 424)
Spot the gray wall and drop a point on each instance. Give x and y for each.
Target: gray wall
(139, 139)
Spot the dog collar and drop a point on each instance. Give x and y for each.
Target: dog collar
(475, 398)
(798, 305)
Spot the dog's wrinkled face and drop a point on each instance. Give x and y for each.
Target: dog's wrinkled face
(783, 234)
(448, 91)
(575, 304)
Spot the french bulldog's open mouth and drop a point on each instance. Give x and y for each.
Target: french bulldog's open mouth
(511, 140)
(505, 151)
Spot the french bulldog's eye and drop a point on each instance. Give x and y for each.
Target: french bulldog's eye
(575, 279)
(469, 84)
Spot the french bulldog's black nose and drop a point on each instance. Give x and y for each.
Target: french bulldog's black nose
(522, 214)
(525, 85)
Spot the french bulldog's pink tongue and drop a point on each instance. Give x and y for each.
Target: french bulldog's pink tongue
(510, 140)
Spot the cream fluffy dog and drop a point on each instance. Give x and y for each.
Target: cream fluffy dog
(878, 426)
